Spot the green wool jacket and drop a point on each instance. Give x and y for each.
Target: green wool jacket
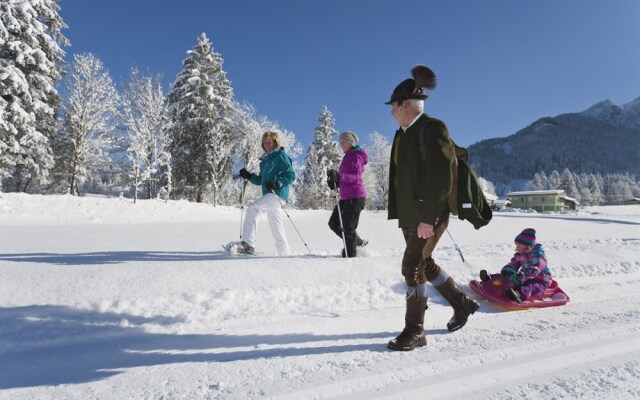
(419, 189)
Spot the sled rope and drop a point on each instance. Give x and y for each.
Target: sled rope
(455, 246)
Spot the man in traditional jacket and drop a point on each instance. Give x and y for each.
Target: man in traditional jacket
(421, 179)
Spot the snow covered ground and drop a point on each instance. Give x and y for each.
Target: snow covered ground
(106, 299)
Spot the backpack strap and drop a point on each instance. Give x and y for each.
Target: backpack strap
(423, 151)
(460, 152)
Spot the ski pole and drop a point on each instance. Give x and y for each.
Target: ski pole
(288, 216)
(244, 185)
(344, 240)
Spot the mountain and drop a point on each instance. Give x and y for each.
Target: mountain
(605, 138)
(625, 116)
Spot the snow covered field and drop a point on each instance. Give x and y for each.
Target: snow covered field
(106, 299)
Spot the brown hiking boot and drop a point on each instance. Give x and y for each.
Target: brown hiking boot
(407, 341)
(463, 305)
(412, 335)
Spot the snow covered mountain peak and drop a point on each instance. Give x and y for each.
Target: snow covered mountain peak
(626, 116)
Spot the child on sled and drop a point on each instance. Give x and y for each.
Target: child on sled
(527, 269)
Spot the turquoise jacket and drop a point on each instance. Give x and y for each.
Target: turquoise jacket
(275, 166)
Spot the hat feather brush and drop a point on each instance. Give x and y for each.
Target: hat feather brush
(424, 77)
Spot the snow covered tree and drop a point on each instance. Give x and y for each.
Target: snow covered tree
(200, 125)
(539, 182)
(31, 62)
(619, 187)
(601, 184)
(87, 135)
(142, 114)
(568, 184)
(314, 191)
(595, 190)
(487, 186)
(379, 153)
(247, 147)
(554, 180)
(322, 154)
(589, 190)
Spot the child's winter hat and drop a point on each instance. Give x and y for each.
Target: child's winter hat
(527, 237)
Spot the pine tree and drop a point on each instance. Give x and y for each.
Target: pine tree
(601, 184)
(544, 181)
(620, 187)
(594, 183)
(87, 135)
(379, 154)
(200, 123)
(31, 62)
(322, 154)
(568, 184)
(142, 114)
(554, 180)
(537, 183)
(324, 139)
(314, 191)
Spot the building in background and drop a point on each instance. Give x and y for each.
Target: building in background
(542, 200)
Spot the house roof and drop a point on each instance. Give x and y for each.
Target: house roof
(570, 199)
(526, 193)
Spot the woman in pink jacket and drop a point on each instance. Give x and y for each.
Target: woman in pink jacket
(352, 193)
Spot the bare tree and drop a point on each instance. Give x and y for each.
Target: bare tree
(88, 130)
(148, 144)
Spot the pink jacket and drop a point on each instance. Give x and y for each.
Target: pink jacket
(351, 171)
(531, 265)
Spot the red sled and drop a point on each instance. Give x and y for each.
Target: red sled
(493, 290)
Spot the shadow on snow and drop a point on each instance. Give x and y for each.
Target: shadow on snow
(53, 345)
(117, 257)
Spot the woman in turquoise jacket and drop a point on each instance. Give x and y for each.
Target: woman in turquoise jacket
(276, 176)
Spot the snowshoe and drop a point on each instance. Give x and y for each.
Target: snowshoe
(360, 242)
(244, 248)
(239, 248)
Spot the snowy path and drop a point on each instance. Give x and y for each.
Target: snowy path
(143, 308)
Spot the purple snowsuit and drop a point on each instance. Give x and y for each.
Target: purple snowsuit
(531, 271)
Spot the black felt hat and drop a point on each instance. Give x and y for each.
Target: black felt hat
(423, 78)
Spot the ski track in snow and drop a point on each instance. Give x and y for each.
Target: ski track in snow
(105, 310)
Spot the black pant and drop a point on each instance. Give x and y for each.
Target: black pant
(350, 211)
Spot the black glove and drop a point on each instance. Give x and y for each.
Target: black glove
(245, 174)
(333, 179)
(271, 185)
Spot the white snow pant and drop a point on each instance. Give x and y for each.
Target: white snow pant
(270, 204)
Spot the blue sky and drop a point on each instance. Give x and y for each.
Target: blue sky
(500, 64)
